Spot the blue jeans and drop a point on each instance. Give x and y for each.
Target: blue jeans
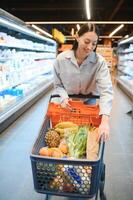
(90, 101)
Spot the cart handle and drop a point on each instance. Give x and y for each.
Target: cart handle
(84, 96)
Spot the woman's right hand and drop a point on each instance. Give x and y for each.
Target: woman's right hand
(65, 103)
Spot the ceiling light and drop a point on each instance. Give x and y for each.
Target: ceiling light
(116, 30)
(87, 5)
(72, 31)
(114, 36)
(126, 36)
(126, 40)
(101, 36)
(78, 27)
(42, 31)
(80, 22)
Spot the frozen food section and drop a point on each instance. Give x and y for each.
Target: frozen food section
(26, 67)
(125, 66)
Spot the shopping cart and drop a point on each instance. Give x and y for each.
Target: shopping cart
(69, 177)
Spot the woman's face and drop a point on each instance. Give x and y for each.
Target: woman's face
(87, 42)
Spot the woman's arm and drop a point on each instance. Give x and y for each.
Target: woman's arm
(105, 88)
(106, 97)
(58, 85)
(104, 128)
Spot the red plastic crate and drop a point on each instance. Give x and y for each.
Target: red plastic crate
(81, 114)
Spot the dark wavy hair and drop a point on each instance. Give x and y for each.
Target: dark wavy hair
(87, 27)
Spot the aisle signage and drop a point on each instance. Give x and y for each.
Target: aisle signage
(57, 35)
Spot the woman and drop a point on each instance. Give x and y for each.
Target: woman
(83, 71)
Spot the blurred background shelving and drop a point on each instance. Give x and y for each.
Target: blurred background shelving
(26, 67)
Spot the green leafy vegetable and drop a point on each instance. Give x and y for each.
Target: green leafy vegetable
(77, 142)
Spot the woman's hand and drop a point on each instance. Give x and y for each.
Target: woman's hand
(65, 104)
(104, 128)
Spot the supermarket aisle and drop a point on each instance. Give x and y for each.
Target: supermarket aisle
(16, 143)
(118, 152)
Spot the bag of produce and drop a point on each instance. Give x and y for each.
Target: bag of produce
(76, 142)
(92, 145)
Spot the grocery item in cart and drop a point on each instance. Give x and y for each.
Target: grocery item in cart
(78, 176)
(68, 176)
(77, 142)
(92, 147)
(81, 114)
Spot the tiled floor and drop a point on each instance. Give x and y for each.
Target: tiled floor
(16, 143)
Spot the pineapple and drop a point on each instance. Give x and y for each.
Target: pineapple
(52, 138)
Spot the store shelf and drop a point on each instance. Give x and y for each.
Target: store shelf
(125, 73)
(125, 52)
(18, 47)
(125, 88)
(13, 23)
(127, 91)
(14, 111)
(127, 40)
(125, 64)
(26, 66)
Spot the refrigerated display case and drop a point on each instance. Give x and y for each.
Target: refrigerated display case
(125, 66)
(26, 67)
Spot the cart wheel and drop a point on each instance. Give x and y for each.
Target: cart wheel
(46, 198)
(102, 183)
(103, 197)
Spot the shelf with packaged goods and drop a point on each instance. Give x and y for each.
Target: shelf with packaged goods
(23, 67)
(125, 52)
(14, 111)
(128, 90)
(44, 48)
(125, 65)
(122, 72)
(125, 68)
(13, 23)
(26, 67)
(125, 87)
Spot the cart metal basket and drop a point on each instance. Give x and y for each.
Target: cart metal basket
(66, 177)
